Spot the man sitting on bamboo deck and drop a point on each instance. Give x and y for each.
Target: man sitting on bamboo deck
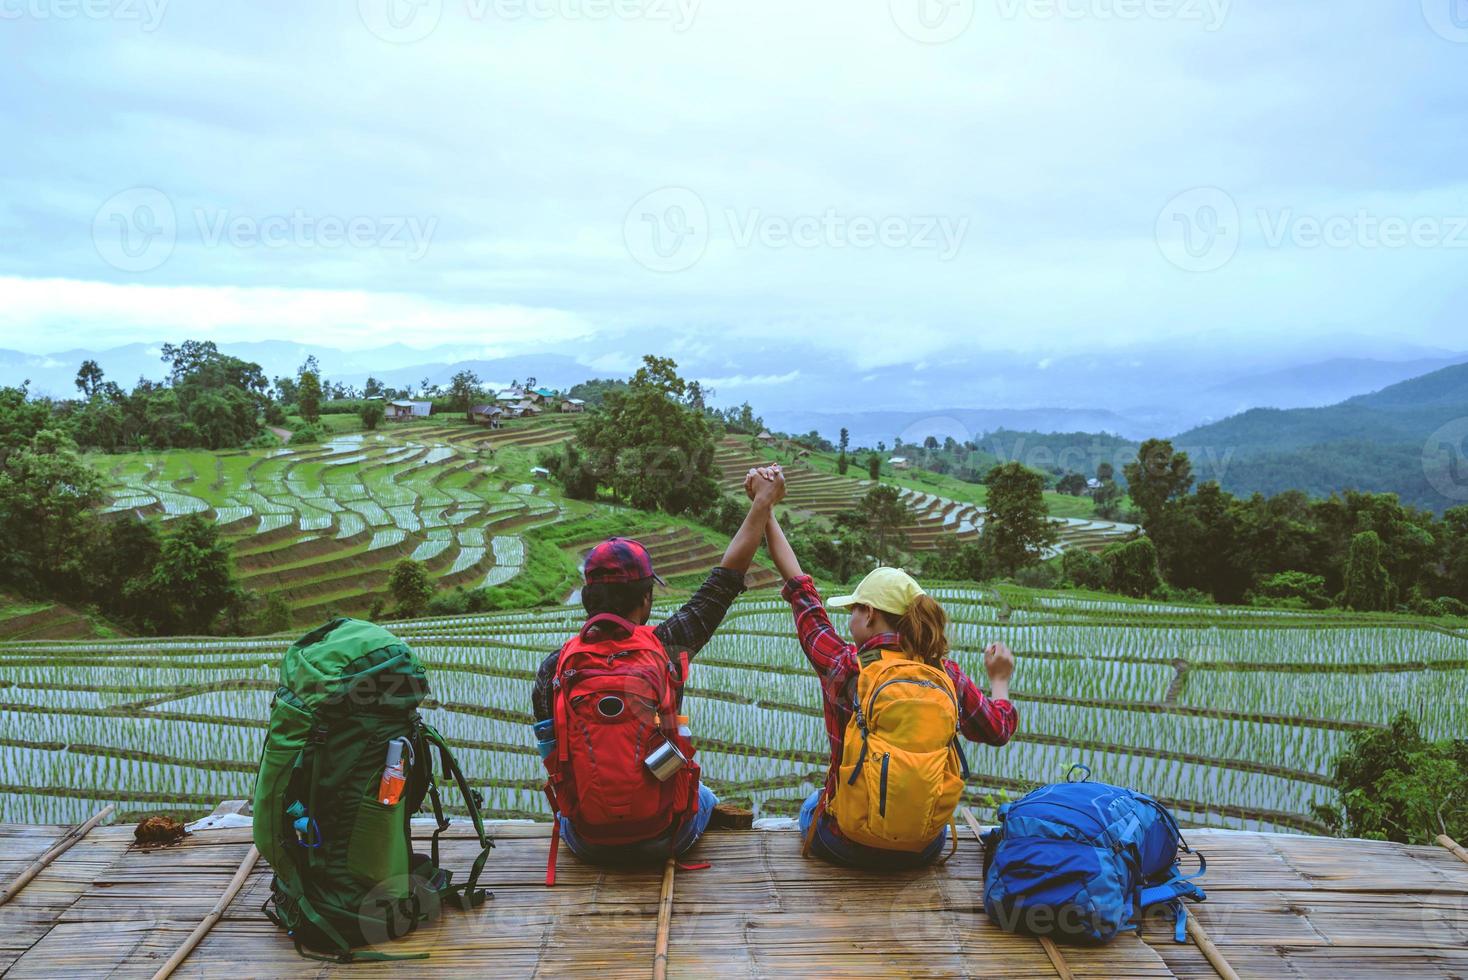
(622, 781)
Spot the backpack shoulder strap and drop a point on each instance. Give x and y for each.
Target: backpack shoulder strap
(469, 894)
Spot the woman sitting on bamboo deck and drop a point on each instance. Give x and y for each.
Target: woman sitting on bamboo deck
(893, 703)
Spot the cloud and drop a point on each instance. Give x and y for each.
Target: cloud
(750, 380)
(34, 313)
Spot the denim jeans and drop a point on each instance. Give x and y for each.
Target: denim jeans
(646, 852)
(838, 850)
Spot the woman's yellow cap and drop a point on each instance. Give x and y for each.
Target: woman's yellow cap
(889, 589)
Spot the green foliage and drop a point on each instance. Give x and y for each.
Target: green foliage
(874, 467)
(1290, 590)
(1157, 477)
(879, 516)
(569, 467)
(957, 561)
(372, 414)
(1085, 570)
(274, 616)
(1369, 587)
(1017, 529)
(308, 395)
(193, 581)
(835, 556)
(646, 445)
(594, 392)
(1132, 568)
(410, 586)
(47, 498)
(463, 389)
(1395, 785)
(305, 434)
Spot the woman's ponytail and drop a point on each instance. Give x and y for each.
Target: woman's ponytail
(922, 631)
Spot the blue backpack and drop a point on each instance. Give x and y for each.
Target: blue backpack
(1080, 861)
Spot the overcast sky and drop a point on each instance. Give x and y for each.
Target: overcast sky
(891, 182)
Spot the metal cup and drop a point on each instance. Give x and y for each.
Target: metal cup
(665, 761)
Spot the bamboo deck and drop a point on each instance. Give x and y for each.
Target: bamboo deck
(1279, 906)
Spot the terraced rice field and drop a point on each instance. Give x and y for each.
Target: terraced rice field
(933, 517)
(323, 525)
(1233, 716)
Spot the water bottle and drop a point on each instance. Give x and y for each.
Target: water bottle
(545, 737)
(394, 774)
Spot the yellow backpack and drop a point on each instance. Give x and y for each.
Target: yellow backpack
(902, 771)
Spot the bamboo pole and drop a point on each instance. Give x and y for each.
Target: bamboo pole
(53, 852)
(1454, 847)
(665, 921)
(1057, 958)
(1210, 951)
(215, 914)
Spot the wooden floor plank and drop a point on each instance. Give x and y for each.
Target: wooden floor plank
(1278, 906)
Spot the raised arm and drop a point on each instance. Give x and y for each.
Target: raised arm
(766, 494)
(780, 551)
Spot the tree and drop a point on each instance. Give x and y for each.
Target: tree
(874, 467)
(1395, 785)
(1017, 530)
(1369, 587)
(1290, 590)
(843, 463)
(193, 577)
(89, 378)
(1085, 570)
(1108, 500)
(372, 388)
(462, 389)
(647, 446)
(47, 498)
(1131, 568)
(881, 514)
(1157, 477)
(957, 561)
(410, 587)
(372, 414)
(308, 396)
(1073, 484)
(275, 616)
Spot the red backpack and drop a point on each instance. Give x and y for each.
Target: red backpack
(615, 706)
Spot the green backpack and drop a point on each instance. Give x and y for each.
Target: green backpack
(345, 871)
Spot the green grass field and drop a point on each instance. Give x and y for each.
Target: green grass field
(1231, 715)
